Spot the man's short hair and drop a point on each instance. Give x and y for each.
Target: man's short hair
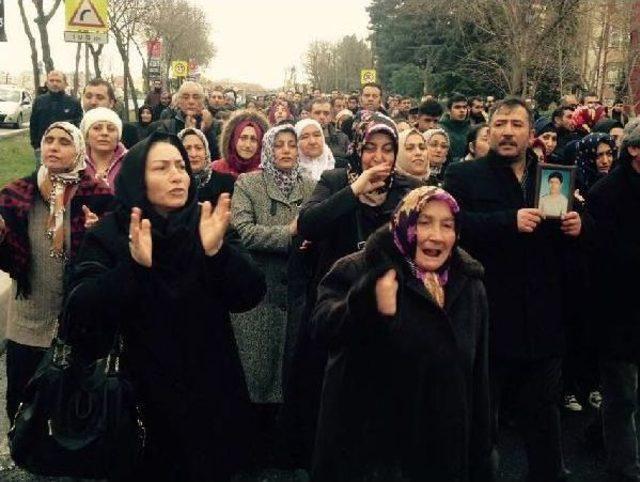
(476, 98)
(218, 88)
(60, 73)
(509, 104)
(101, 82)
(559, 112)
(318, 100)
(588, 94)
(334, 99)
(353, 97)
(557, 175)
(430, 107)
(456, 97)
(371, 84)
(190, 83)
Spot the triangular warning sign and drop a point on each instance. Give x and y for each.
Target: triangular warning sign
(86, 15)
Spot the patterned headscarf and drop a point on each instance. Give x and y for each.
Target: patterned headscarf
(402, 161)
(314, 166)
(285, 180)
(58, 188)
(586, 153)
(201, 178)
(404, 226)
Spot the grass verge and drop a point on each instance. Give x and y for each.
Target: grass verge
(16, 158)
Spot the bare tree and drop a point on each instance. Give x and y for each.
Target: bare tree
(32, 44)
(76, 74)
(95, 54)
(41, 20)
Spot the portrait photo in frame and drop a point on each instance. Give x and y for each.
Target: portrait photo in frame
(554, 189)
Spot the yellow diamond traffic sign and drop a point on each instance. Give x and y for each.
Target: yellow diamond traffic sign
(87, 16)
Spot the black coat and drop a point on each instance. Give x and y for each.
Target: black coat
(525, 272)
(405, 395)
(218, 183)
(175, 123)
(49, 108)
(337, 224)
(614, 205)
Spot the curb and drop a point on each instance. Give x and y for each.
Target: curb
(15, 133)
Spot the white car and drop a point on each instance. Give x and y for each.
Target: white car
(15, 105)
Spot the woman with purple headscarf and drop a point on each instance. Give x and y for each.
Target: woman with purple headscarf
(405, 393)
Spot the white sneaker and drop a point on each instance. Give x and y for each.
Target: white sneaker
(571, 403)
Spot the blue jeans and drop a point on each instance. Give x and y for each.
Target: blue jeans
(619, 411)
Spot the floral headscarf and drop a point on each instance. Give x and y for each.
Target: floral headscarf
(314, 166)
(586, 153)
(285, 180)
(365, 125)
(201, 178)
(404, 227)
(57, 189)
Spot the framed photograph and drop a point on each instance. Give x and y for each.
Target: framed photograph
(554, 189)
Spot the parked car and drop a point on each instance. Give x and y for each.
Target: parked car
(15, 105)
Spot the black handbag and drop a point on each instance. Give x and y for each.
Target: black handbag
(78, 419)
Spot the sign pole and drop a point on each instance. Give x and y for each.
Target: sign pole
(86, 64)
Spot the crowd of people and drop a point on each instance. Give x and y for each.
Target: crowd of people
(357, 287)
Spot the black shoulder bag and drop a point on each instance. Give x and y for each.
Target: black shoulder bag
(78, 419)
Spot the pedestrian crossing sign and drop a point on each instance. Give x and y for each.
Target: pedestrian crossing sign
(87, 16)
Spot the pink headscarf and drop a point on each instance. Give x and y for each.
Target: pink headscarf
(236, 162)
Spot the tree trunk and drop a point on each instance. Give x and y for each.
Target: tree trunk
(95, 53)
(129, 79)
(76, 74)
(41, 21)
(34, 48)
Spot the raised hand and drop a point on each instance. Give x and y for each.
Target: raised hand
(371, 179)
(140, 244)
(214, 223)
(386, 293)
(90, 218)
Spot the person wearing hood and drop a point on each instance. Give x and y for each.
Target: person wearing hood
(145, 119)
(524, 260)
(265, 210)
(412, 156)
(614, 203)
(102, 130)
(51, 107)
(612, 127)
(210, 184)
(347, 206)
(406, 389)
(241, 143)
(439, 153)
(547, 133)
(43, 219)
(457, 124)
(313, 152)
(164, 272)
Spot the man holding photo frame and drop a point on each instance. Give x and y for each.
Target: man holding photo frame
(523, 259)
(554, 186)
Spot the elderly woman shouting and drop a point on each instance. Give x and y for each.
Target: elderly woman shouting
(405, 394)
(161, 271)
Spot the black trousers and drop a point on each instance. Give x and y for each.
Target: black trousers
(536, 390)
(22, 362)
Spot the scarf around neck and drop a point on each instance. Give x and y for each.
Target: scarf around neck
(201, 178)
(404, 227)
(284, 179)
(234, 160)
(57, 189)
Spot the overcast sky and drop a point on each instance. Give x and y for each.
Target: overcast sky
(256, 40)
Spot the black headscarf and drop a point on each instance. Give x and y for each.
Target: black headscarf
(176, 239)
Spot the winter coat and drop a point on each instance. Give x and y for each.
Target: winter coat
(175, 123)
(338, 142)
(217, 184)
(405, 397)
(525, 272)
(49, 108)
(457, 131)
(614, 203)
(261, 214)
(114, 168)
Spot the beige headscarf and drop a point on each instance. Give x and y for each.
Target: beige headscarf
(402, 163)
(57, 189)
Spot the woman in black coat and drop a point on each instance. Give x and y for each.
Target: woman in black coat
(161, 270)
(406, 390)
(347, 205)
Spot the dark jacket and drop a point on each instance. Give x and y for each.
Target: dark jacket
(406, 395)
(130, 135)
(49, 108)
(338, 143)
(337, 224)
(559, 154)
(524, 271)
(457, 131)
(614, 203)
(217, 184)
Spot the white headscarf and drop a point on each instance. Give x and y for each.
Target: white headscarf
(313, 167)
